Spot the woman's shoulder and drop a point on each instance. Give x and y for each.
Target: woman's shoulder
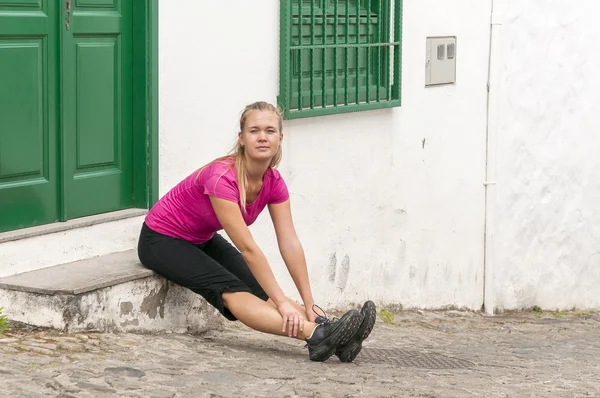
(274, 173)
(278, 188)
(219, 167)
(276, 183)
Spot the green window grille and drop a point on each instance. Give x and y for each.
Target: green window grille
(339, 56)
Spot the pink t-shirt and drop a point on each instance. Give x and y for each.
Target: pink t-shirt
(185, 212)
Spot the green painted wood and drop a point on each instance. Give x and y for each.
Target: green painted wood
(28, 113)
(152, 35)
(96, 4)
(336, 54)
(152, 98)
(397, 87)
(343, 109)
(139, 105)
(90, 149)
(97, 109)
(285, 83)
(21, 5)
(145, 103)
(330, 64)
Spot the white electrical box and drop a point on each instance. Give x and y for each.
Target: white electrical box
(440, 66)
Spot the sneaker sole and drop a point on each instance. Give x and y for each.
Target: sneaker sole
(350, 351)
(341, 336)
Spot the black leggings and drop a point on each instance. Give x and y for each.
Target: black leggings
(209, 269)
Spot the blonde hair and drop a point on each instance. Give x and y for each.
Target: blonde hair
(237, 154)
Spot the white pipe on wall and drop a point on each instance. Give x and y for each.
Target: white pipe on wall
(489, 302)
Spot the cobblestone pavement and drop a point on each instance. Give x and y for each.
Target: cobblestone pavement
(415, 354)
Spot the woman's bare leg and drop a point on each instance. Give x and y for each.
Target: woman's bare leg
(260, 315)
(301, 310)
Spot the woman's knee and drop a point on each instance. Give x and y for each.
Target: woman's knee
(230, 298)
(259, 292)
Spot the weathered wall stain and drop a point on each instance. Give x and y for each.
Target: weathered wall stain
(133, 322)
(401, 218)
(392, 270)
(332, 267)
(154, 303)
(412, 271)
(126, 308)
(447, 272)
(343, 273)
(71, 310)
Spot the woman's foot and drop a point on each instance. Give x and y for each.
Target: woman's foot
(328, 336)
(349, 351)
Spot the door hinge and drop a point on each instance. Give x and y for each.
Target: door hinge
(67, 14)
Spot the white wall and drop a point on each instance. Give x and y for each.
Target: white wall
(380, 215)
(548, 223)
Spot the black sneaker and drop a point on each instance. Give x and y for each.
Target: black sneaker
(349, 351)
(329, 335)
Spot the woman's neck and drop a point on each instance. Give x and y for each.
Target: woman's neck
(256, 170)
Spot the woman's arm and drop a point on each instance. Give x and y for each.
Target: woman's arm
(291, 251)
(230, 217)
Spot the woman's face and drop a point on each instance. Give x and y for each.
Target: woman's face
(261, 137)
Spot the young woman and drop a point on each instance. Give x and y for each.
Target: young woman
(179, 241)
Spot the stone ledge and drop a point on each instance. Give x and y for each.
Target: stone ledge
(148, 305)
(80, 276)
(112, 293)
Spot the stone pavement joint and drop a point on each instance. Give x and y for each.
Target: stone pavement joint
(412, 354)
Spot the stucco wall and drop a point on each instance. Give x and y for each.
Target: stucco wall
(548, 223)
(388, 204)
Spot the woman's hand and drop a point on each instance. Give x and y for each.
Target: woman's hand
(310, 311)
(292, 321)
(311, 315)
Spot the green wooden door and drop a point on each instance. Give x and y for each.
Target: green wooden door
(97, 107)
(66, 141)
(28, 113)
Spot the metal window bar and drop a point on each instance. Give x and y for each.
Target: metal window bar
(356, 53)
(346, 87)
(351, 45)
(388, 94)
(380, 46)
(312, 53)
(378, 64)
(368, 60)
(300, 35)
(335, 43)
(397, 39)
(323, 53)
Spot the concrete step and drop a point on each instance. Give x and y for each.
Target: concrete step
(30, 249)
(111, 293)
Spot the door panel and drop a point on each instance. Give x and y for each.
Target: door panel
(97, 129)
(97, 111)
(28, 134)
